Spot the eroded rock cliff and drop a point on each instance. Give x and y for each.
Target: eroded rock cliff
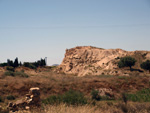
(88, 60)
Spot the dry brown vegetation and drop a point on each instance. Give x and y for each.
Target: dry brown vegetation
(102, 107)
(52, 83)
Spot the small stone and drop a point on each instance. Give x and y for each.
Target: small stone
(27, 107)
(106, 92)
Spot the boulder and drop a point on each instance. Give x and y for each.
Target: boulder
(106, 92)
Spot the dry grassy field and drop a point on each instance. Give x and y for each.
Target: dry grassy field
(51, 83)
(105, 107)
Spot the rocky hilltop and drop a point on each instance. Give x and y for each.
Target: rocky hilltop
(88, 60)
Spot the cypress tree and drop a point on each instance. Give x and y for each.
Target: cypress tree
(16, 64)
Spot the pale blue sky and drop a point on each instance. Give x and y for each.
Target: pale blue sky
(34, 29)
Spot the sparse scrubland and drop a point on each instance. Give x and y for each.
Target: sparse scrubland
(69, 93)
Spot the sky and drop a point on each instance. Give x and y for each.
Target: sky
(35, 29)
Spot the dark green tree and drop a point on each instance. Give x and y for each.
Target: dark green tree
(16, 64)
(10, 63)
(3, 64)
(127, 61)
(43, 63)
(36, 64)
(146, 65)
(20, 64)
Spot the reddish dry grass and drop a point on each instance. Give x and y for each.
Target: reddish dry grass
(51, 83)
(102, 107)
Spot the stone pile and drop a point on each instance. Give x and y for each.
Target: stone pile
(31, 100)
(106, 92)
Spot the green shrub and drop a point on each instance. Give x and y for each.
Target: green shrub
(21, 74)
(95, 95)
(13, 74)
(30, 65)
(34, 65)
(74, 98)
(10, 97)
(146, 65)
(71, 98)
(51, 100)
(9, 73)
(140, 96)
(9, 68)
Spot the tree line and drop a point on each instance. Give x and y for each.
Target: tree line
(16, 63)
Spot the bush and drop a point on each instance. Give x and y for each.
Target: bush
(74, 98)
(146, 65)
(51, 100)
(9, 73)
(21, 74)
(29, 65)
(10, 68)
(10, 97)
(13, 74)
(126, 62)
(34, 65)
(95, 95)
(71, 98)
(140, 96)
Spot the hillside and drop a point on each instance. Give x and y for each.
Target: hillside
(14, 85)
(88, 60)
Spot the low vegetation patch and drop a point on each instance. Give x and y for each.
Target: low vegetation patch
(10, 97)
(13, 74)
(9, 73)
(95, 95)
(10, 68)
(140, 96)
(71, 97)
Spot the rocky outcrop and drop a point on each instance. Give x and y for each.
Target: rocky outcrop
(88, 60)
(32, 100)
(104, 92)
